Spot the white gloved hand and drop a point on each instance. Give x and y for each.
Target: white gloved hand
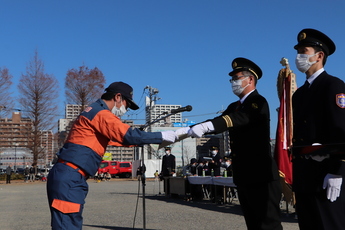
(333, 184)
(200, 129)
(182, 131)
(319, 158)
(169, 136)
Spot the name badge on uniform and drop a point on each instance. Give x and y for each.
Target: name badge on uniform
(340, 100)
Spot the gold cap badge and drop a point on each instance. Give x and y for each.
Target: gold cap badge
(302, 36)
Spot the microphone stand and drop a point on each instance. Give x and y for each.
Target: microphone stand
(143, 167)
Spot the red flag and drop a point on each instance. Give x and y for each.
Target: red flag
(286, 86)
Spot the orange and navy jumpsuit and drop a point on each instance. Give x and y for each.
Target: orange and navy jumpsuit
(80, 157)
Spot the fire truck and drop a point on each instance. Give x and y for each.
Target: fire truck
(116, 168)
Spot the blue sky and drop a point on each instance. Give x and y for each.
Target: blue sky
(184, 48)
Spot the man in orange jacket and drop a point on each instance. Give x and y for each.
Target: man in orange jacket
(97, 126)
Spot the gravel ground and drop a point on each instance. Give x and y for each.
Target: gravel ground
(117, 205)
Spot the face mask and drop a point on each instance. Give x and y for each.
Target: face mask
(119, 111)
(167, 152)
(303, 63)
(227, 163)
(237, 88)
(214, 152)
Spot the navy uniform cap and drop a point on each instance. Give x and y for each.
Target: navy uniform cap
(193, 160)
(167, 148)
(125, 90)
(213, 148)
(312, 37)
(243, 64)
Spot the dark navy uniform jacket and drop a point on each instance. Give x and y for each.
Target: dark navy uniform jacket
(168, 165)
(249, 129)
(216, 165)
(319, 117)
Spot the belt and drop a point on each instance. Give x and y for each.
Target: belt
(318, 150)
(73, 166)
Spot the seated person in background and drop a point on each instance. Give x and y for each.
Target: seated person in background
(107, 176)
(190, 169)
(216, 161)
(206, 168)
(228, 167)
(203, 167)
(194, 164)
(101, 176)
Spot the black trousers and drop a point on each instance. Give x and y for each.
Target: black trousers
(316, 212)
(260, 205)
(8, 179)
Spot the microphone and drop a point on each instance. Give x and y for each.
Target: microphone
(182, 109)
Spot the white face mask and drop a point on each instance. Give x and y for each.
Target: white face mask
(167, 152)
(214, 152)
(302, 62)
(119, 111)
(237, 88)
(227, 163)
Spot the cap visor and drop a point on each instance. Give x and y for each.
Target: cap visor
(133, 105)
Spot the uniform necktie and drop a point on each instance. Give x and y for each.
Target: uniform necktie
(307, 84)
(238, 106)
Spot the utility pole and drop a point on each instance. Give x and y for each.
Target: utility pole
(153, 98)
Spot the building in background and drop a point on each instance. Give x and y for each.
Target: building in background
(15, 142)
(15, 131)
(48, 148)
(72, 111)
(155, 111)
(123, 153)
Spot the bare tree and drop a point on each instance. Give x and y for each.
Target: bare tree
(38, 97)
(188, 154)
(83, 86)
(6, 101)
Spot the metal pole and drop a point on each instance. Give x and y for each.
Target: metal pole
(15, 158)
(182, 154)
(143, 179)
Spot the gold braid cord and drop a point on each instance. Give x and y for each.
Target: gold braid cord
(286, 86)
(286, 78)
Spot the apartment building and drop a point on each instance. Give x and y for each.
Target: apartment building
(155, 111)
(15, 142)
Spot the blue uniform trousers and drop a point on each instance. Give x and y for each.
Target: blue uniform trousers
(66, 190)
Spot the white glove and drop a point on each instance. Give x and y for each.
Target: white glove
(200, 129)
(169, 136)
(333, 184)
(182, 131)
(319, 158)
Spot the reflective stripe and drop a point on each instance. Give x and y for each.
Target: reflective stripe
(65, 206)
(73, 166)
